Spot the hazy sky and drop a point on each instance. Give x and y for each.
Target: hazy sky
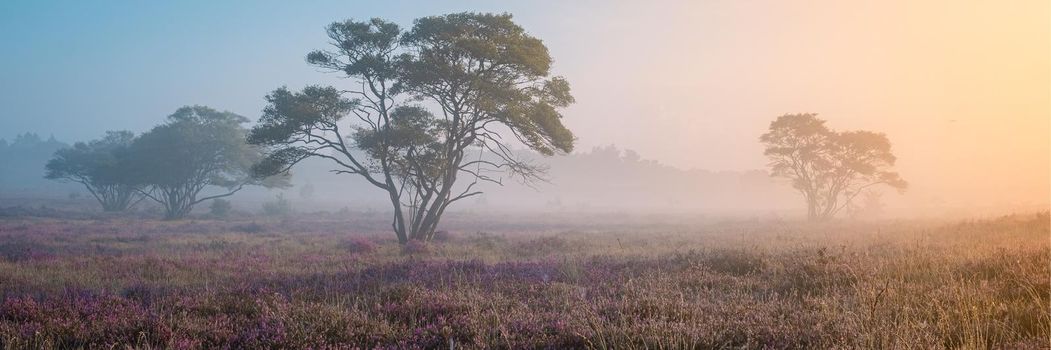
(962, 88)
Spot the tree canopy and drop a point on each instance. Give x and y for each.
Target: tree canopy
(198, 147)
(828, 168)
(420, 102)
(103, 166)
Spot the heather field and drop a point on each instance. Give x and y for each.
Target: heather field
(322, 282)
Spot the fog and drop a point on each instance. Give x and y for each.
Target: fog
(682, 89)
(525, 174)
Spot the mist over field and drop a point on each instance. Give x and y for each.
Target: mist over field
(518, 175)
(629, 183)
(961, 91)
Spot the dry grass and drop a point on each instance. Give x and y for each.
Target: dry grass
(340, 284)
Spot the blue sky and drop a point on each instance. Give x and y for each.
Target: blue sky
(77, 68)
(687, 83)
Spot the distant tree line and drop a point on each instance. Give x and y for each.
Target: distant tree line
(22, 161)
(197, 148)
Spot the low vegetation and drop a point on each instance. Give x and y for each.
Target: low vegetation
(311, 282)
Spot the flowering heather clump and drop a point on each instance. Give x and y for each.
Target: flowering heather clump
(736, 262)
(251, 227)
(444, 236)
(74, 320)
(541, 246)
(486, 241)
(131, 284)
(415, 247)
(360, 245)
(21, 251)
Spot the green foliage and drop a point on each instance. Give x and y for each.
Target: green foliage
(497, 67)
(420, 102)
(103, 166)
(362, 49)
(220, 208)
(197, 148)
(278, 207)
(197, 145)
(829, 168)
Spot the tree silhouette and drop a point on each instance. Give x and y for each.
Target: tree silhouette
(443, 100)
(197, 148)
(828, 168)
(102, 166)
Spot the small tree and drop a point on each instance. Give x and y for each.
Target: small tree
(486, 77)
(102, 166)
(828, 168)
(278, 207)
(220, 208)
(306, 191)
(197, 148)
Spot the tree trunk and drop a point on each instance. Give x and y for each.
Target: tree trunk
(177, 211)
(399, 216)
(811, 209)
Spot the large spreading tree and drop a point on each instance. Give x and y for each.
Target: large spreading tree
(196, 149)
(828, 168)
(448, 98)
(103, 166)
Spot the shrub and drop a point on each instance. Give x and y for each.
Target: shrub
(542, 246)
(251, 227)
(415, 247)
(279, 207)
(813, 272)
(487, 240)
(220, 208)
(444, 236)
(736, 262)
(16, 251)
(359, 245)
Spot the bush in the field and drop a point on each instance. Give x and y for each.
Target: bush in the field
(251, 227)
(278, 207)
(359, 245)
(415, 247)
(445, 236)
(220, 208)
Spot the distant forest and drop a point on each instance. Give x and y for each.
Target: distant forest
(627, 181)
(22, 167)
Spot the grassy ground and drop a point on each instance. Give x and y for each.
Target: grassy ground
(294, 283)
